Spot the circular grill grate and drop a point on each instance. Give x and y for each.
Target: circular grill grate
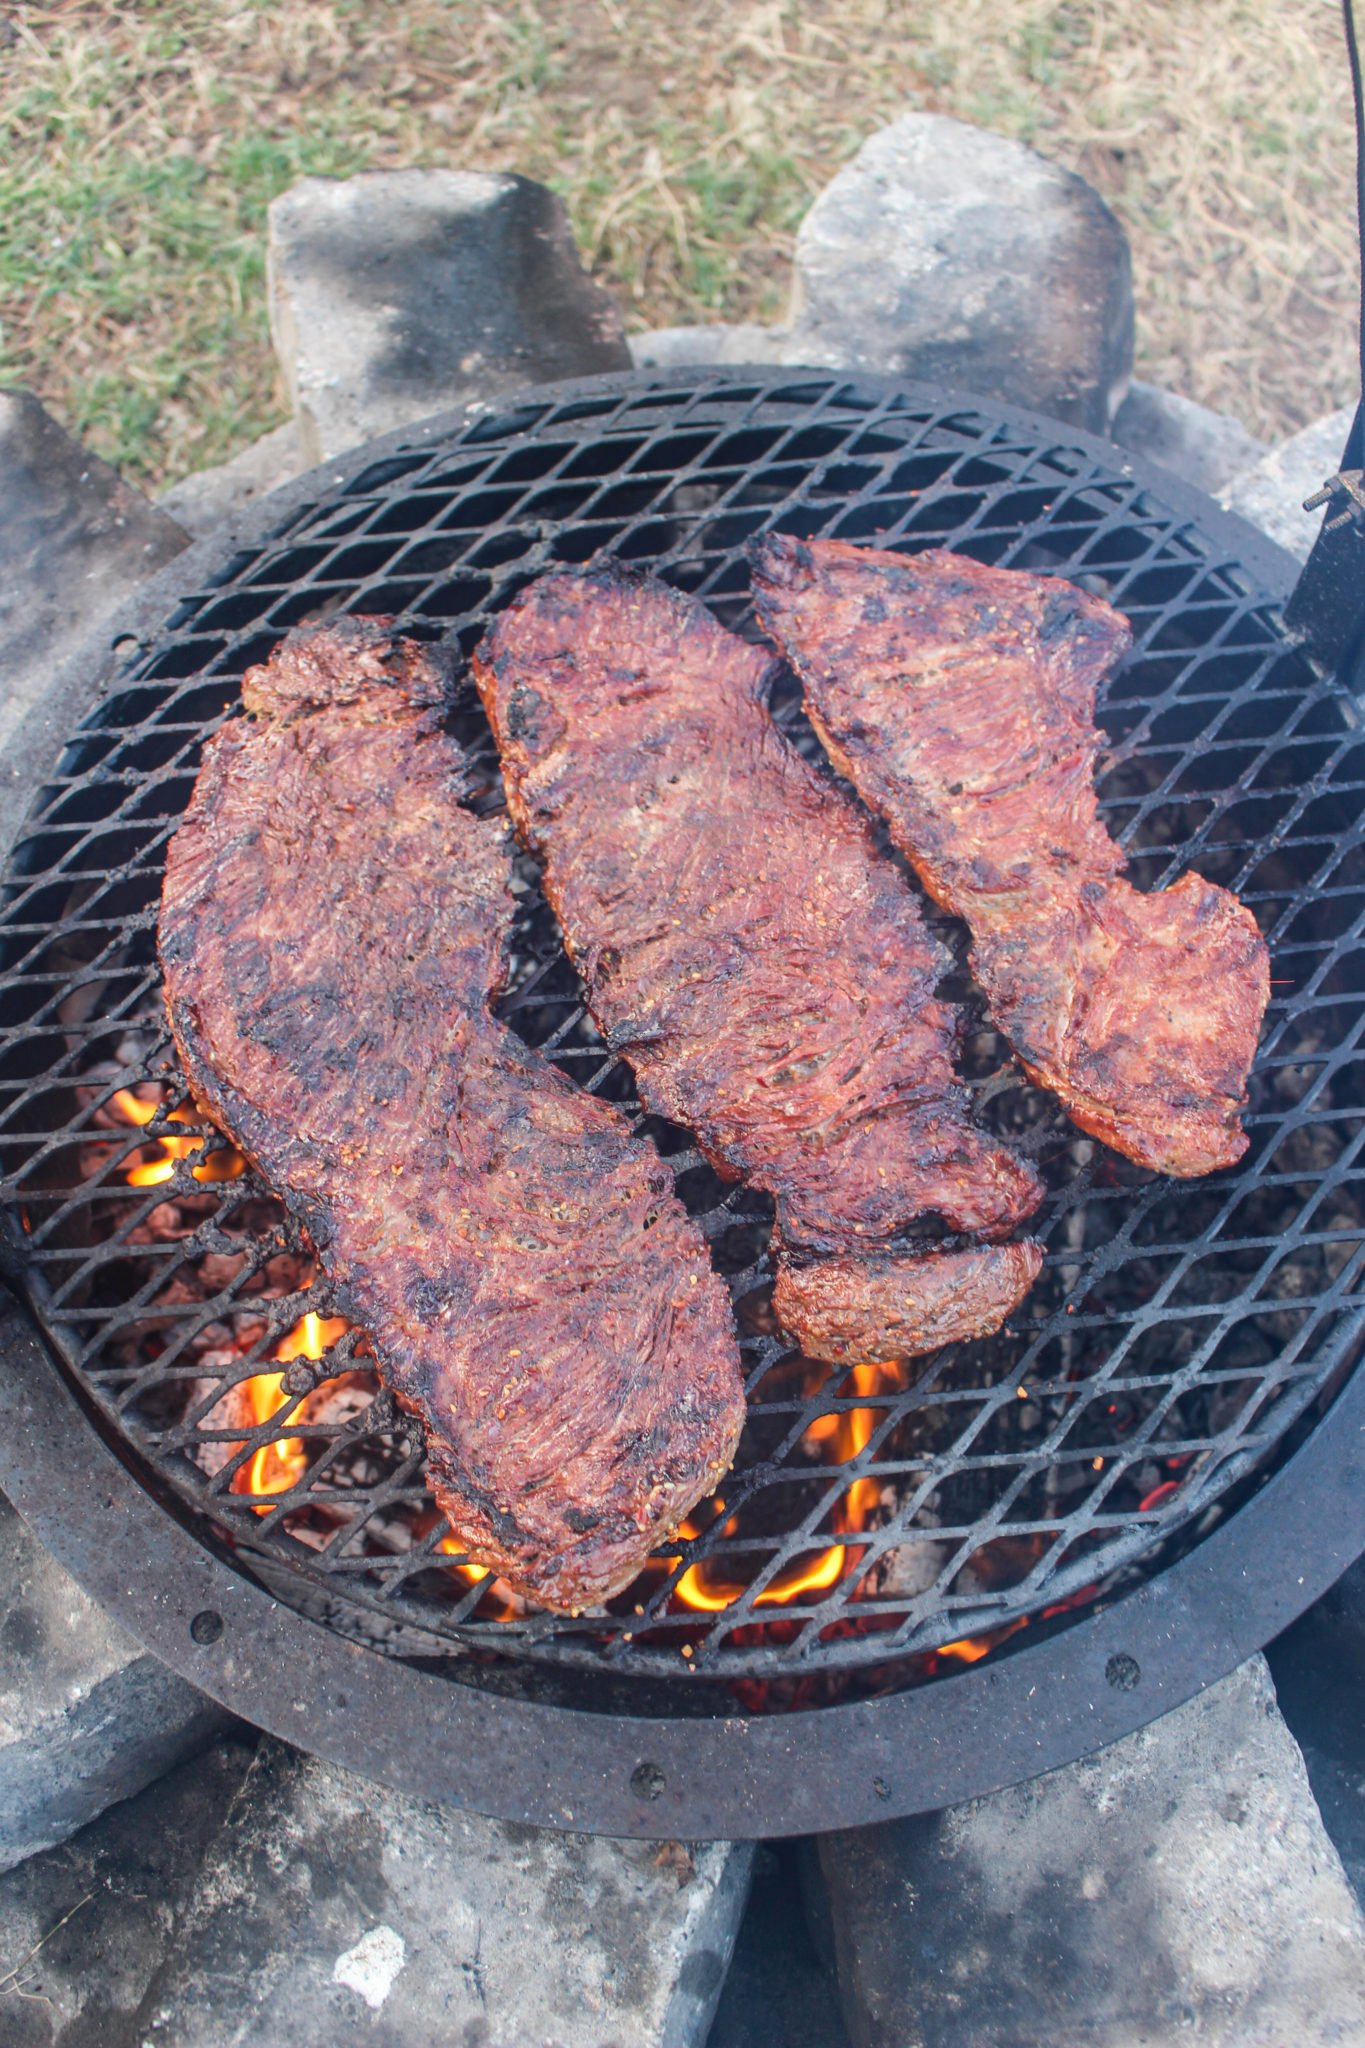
(1178, 1330)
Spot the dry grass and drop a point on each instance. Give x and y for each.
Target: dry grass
(140, 145)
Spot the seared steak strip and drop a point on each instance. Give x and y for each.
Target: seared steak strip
(960, 702)
(764, 970)
(887, 1305)
(333, 928)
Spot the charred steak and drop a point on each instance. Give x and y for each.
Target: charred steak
(887, 1305)
(743, 944)
(960, 702)
(332, 931)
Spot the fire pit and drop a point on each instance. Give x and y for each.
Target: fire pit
(919, 1581)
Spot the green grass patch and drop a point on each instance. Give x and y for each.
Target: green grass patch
(141, 144)
(98, 243)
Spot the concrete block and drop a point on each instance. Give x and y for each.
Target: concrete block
(1205, 448)
(75, 540)
(204, 500)
(330, 1910)
(1318, 1666)
(1270, 493)
(86, 1716)
(671, 348)
(958, 257)
(85, 1928)
(1179, 1886)
(398, 293)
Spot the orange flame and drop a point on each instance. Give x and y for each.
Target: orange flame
(226, 1164)
(278, 1466)
(498, 1601)
(971, 1649)
(838, 1438)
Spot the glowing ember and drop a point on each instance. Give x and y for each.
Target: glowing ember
(836, 1439)
(225, 1164)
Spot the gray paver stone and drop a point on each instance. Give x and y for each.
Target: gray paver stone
(669, 348)
(1205, 448)
(85, 1928)
(204, 500)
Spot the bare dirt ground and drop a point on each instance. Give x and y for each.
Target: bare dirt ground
(140, 145)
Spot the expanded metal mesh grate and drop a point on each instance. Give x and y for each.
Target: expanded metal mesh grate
(1177, 1331)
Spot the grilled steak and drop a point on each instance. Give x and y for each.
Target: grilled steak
(888, 1305)
(960, 702)
(332, 930)
(764, 970)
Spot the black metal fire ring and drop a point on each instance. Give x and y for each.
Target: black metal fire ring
(734, 1779)
(1159, 518)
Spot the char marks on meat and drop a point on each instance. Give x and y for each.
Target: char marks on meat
(763, 968)
(333, 929)
(960, 702)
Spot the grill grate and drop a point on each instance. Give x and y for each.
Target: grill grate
(1178, 1330)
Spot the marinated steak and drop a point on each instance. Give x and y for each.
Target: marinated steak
(764, 970)
(332, 932)
(960, 702)
(920, 1301)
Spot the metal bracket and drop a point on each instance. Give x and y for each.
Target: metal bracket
(1348, 484)
(1326, 611)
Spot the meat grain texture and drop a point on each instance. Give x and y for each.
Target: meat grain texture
(333, 929)
(888, 1305)
(745, 946)
(960, 702)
